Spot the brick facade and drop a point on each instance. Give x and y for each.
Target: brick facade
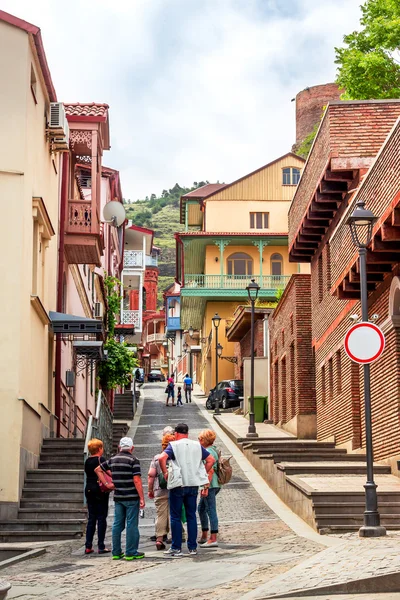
(243, 348)
(339, 396)
(309, 106)
(292, 368)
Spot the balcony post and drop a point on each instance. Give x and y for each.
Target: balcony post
(94, 184)
(260, 244)
(221, 244)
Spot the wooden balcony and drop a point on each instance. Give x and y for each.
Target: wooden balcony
(84, 235)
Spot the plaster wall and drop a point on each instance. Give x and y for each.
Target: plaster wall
(213, 267)
(27, 171)
(236, 215)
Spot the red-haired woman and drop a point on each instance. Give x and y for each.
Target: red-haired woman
(97, 501)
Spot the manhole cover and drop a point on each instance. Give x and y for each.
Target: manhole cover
(64, 568)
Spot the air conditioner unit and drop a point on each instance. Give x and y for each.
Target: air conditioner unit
(98, 310)
(70, 378)
(58, 125)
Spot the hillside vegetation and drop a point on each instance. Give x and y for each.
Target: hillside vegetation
(162, 215)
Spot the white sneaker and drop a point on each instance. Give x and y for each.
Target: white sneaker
(210, 545)
(192, 552)
(173, 553)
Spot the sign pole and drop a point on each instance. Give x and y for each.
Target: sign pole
(372, 523)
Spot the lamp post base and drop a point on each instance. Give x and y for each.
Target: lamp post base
(252, 434)
(372, 531)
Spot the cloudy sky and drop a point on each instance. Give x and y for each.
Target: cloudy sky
(198, 89)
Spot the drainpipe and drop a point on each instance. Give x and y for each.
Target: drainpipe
(63, 206)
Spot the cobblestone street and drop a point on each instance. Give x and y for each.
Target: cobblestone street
(255, 545)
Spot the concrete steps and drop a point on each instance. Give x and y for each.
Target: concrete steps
(119, 431)
(52, 501)
(123, 406)
(326, 468)
(312, 457)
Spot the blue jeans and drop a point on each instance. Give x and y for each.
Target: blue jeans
(208, 510)
(187, 497)
(126, 510)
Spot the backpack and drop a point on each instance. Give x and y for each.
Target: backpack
(224, 469)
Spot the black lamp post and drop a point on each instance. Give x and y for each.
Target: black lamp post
(216, 321)
(361, 222)
(252, 289)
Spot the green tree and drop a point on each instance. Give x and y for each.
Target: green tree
(369, 63)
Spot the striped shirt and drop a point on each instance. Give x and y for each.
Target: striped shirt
(124, 467)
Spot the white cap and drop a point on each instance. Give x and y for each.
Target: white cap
(125, 442)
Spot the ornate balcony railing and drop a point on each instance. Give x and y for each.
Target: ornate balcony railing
(156, 337)
(131, 317)
(133, 259)
(79, 216)
(235, 282)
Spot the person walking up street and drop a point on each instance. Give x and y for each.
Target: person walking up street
(186, 473)
(208, 504)
(188, 387)
(171, 390)
(157, 489)
(128, 498)
(179, 397)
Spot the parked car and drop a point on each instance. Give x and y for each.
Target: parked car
(155, 375)
(229, 392)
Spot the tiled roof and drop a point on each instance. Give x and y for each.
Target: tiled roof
(87, 110)
(205, 190)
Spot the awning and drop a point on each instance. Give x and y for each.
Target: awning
(77, 327)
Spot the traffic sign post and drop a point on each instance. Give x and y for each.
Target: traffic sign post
(364, 343)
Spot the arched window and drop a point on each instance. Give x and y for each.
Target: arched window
(290, 176)
(240, 264)
(276, 264)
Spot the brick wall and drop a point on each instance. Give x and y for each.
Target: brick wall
(243, 348)
(292, 370)
(309, 105)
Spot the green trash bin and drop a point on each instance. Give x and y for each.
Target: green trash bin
(260, 403)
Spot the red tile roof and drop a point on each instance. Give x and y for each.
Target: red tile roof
(92, 109)
(37, 38)
(205, 190)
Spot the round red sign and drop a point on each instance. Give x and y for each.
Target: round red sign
(364, 342)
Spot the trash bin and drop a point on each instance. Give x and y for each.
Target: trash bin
(259, 408)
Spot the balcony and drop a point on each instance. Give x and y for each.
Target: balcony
(131, 317)
(173, 323)
(133, 259)
(83, 239)
(151, 261)
(155, 337)
(232, 285)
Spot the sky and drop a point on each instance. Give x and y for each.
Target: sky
(198, 89)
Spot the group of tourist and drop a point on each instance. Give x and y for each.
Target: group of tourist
(184, 469)
(187, 388)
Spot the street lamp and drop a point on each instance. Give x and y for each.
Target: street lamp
(219, 350)
(190, 331)
(361, 222)
(216, 321)
(185, 347)
(252, 290)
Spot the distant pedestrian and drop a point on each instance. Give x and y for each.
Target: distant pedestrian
(186, 473)
(157, 489)
(188, 387)
(128, 498)
(179, 397)
(97, 501)
(170, 390)
(208, 504)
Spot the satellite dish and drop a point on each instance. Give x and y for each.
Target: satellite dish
(114, 213)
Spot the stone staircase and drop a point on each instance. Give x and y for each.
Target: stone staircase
(52, 504)
(321, 483)
(119, 430)
(122, 415)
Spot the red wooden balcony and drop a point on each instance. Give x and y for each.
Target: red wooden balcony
(84, 237)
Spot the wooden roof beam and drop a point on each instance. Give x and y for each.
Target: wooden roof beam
(339, 175)
(380, 246)
(333, 187)
(390, 233)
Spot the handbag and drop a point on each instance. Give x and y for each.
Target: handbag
(103, 488)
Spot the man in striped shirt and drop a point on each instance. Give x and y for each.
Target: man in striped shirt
(128, 498)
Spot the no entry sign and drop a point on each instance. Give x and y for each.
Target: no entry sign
(364, 342)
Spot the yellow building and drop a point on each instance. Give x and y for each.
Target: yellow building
(29, 192)
(233, 233)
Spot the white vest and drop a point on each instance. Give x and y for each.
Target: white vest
(188, 459)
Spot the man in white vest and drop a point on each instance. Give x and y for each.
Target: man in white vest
(188, 465)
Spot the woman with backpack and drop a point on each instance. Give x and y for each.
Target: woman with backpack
(158, 490)
(208, 504)
(170, 390)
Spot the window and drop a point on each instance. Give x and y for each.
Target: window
(290, 176)
(338, 372)
(276, 264)
(283, 337)
(328, 267)
(33, 84)
(320, 279)
(240, 264)
(291, 324)
(330, 372)
(323, 389)
(259, 220)
(42, 232)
